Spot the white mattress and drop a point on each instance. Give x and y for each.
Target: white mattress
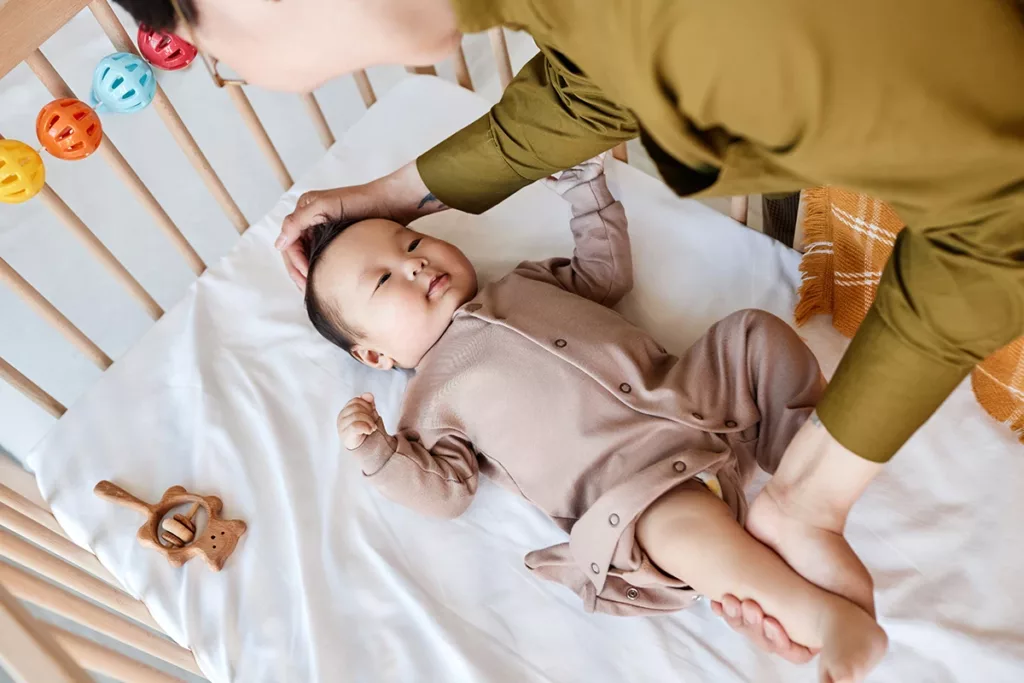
(233, 394)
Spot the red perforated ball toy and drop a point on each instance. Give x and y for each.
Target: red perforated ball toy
(165, 50)
(69, 129)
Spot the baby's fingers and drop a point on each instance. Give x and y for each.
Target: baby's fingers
(357, 405)
(355, 433)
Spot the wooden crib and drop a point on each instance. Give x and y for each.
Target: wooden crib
(43, 566)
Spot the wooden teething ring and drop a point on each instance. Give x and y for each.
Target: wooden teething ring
(214, 545)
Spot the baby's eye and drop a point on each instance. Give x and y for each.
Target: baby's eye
(383, 279)
(415, 243)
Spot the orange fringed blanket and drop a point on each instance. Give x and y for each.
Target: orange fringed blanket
(848, 237)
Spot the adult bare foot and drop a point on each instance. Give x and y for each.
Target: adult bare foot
(802, 512)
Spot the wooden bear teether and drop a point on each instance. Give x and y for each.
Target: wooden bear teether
(180, 542)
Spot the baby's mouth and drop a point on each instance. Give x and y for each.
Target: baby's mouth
(438, 285)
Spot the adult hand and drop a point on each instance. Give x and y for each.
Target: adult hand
(401, 196)
(748, 619)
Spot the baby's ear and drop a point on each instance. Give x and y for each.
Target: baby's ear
(372, 358)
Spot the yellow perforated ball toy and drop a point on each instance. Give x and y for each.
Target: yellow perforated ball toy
(21, 172)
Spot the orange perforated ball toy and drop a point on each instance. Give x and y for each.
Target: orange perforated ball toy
(69, 129)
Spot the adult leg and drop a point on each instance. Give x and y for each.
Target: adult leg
(691, 534)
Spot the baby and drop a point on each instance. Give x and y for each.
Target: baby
(639, 455)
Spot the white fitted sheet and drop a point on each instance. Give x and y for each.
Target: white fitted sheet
(233, 394)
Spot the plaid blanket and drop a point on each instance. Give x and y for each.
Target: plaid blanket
(848, 237)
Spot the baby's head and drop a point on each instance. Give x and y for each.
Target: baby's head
(383, 292)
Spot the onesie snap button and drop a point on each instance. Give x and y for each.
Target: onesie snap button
(594, 568)
(730, 424)
(632, 594)
(697, 416)
(560, 343)
(473, 308)
(625, 388)
(679, 466)
(613, 520)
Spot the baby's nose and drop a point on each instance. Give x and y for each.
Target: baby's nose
(413, 267)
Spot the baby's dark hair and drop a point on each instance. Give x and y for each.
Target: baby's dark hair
(159, 14)
(326, 319)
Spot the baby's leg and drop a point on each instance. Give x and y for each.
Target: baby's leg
(692, 535)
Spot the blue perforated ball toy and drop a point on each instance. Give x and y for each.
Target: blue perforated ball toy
(122, 83)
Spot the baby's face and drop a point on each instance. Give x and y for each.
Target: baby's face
(396, 287)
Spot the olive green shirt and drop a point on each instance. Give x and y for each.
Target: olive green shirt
(917, 102)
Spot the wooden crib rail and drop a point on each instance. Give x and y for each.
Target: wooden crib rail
(27, 24)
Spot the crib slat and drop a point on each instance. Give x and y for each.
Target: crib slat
(99, 251)
(29, 651)
(106, 662)
(55, 543)
(739, 206)
(48, 312)
(500, 48)
(319, 120)
(30, 389)
(22, 483)
(263, 141)
(58, 87)
(34, 590)
(462, 76)
(16, 549)
(24, 506)
(365, 88)
(119, 37)
(422, 70)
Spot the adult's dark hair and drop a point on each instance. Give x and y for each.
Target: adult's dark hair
(326, 319)
(158, 14)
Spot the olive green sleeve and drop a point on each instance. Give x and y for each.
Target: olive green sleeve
(549, 119)
(949, 297)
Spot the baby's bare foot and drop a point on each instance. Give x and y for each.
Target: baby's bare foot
(853, 643)
(822, 556)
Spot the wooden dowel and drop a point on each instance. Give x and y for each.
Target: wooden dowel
(58, 87)
(55, 543)
(42, 594)
(28, 650)
(30, 389)
(263, 141)
(365, 88)
(24, 506)
(22, 552)
(422, 70)
(106, 662)
(99, 251)
(462, 76)
(621, 153)
(500, 48)
(48, 312)
(319, 120)
(122, 41)
(738, 207)
(22, 483)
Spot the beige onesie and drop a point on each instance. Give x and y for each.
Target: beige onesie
(541, 386)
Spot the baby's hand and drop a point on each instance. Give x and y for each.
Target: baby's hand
(357, 420)
(577, 175)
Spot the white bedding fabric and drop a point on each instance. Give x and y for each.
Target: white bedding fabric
(233, 394)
